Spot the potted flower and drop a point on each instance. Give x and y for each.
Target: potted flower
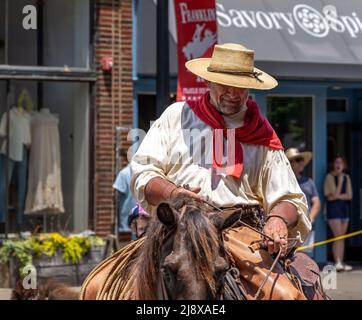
(66, 258)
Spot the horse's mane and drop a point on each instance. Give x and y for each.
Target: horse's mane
(203, 245)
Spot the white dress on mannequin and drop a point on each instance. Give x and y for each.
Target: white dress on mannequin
(44, 181)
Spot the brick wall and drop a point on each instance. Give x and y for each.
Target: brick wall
(113, 37)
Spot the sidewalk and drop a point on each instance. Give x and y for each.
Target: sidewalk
(349, 286)
(5, 294)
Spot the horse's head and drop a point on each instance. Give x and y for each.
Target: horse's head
(193, 262)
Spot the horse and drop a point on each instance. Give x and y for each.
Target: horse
(184, 251)
(182, 256)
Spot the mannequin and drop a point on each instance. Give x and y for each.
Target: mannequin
(19, 142)
(44, 185)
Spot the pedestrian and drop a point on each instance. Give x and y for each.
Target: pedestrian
(338, 192)
(138, 221)
(298, 161)
(125, 199)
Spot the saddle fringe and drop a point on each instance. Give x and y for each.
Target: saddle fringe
(113, 286)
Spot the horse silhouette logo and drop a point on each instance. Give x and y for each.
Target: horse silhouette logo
(202, 40)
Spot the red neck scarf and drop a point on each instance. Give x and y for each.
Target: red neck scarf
(256, 130)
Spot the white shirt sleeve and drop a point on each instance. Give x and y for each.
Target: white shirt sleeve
(280, 184)
(152, 158)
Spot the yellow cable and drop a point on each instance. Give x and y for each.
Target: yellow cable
(330, 240)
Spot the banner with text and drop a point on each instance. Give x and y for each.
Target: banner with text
(196, 36)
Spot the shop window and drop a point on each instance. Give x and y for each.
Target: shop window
(45, 147)
(336, 104)
(61, 37)
(292, 119)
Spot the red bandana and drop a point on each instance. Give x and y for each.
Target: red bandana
(256, 130)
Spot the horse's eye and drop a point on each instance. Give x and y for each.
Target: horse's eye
(167, 272)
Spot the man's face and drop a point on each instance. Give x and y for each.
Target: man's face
(297, 165)
(227, 100)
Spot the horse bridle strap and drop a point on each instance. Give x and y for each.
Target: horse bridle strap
(163, 293)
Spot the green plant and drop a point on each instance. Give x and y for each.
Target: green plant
(19, 249)
(72, 248)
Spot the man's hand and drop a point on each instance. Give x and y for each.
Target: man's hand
(285, 216)
(277, 230)
(191, 193)
(160, 190)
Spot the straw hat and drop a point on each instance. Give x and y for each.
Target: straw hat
(232, 65)
(293, 153)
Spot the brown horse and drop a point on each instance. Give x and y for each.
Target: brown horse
(182, 256)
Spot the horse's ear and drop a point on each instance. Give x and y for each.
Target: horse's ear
(225, 219)
(166, 215)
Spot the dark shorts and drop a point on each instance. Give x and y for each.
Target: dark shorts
(338, 211)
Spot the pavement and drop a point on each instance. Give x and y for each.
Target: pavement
(348, 285)
(339, 286)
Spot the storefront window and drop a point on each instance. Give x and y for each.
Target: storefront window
(44, 145)
(60, 37)
(292, 119)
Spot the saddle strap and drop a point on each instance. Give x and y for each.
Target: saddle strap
(233, 288)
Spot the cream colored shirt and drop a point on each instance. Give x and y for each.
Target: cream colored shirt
(267, 177)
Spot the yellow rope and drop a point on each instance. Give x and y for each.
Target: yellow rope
(352, 234)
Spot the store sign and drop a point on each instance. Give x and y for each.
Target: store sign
(196, 23)
(303, 18)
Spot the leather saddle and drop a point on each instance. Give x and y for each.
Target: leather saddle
(294, 278)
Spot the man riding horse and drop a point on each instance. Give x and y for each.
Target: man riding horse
(182, 157)
(260, 173)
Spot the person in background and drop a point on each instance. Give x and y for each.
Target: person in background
(298, 161)
(338, 191)
(125, 199)
(138, 221)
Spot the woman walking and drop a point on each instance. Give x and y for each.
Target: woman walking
(338, 192)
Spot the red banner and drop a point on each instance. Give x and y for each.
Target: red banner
(196, 36)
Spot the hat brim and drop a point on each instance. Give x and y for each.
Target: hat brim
(199, 67)
(306, 155)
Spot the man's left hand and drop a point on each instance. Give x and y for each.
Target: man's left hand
(277, 230)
